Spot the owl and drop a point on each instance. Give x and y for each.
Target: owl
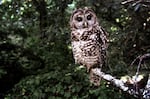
(89, 41)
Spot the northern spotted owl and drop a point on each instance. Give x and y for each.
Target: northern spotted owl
(89, 41)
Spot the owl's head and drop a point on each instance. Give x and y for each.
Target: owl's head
(83, 18)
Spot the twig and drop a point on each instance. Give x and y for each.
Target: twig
(128, 1)
(135, 2)
(141, 57)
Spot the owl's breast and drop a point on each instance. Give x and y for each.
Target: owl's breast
(86, 52)
(86, 49)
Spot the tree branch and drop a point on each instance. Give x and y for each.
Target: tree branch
(137, 85)
(127, 86)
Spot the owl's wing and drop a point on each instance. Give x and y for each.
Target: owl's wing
(104, 38)
(104, 44)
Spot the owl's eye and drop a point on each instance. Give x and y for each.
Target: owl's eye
(79, 19)
(89, 17)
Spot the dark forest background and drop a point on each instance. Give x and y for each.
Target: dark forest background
(35, 51)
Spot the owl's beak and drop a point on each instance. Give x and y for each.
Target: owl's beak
(85, 24)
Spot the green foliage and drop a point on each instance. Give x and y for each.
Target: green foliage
(35, 53)
(73, 84)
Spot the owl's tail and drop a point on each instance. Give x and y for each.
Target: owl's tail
(94, 79)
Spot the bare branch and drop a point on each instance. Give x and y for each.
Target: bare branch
(128, 1)
(136, 1)
(146, 93)
(141, 58)
(128, 87)
(110, 78)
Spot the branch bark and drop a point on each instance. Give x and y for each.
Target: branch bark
(130, 88)
(137, 85)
